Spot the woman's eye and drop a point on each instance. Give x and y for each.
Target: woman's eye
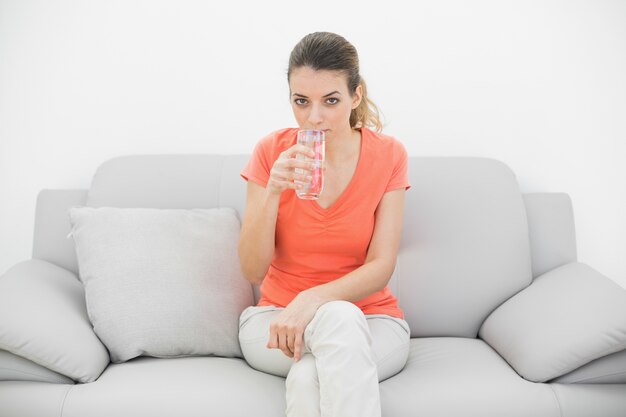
(331, 100)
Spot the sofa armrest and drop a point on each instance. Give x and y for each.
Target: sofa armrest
(43, 318)
(565, 319)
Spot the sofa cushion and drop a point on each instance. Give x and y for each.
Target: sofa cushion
(33, 399)
(43, 319)
(465, 246)
(189, 387)
(449, 376)
(565, 319)
(457, 376)
(161, 282)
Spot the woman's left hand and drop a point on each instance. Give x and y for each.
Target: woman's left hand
(287, 329)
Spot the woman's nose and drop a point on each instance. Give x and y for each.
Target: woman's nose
(315, 116)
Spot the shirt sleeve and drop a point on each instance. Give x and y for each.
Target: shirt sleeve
(259, 166)
(400, 174)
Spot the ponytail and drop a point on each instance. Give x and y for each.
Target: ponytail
(367, 113)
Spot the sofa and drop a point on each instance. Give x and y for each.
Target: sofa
(505, 321)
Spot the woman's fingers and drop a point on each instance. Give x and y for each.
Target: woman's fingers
(288, 184)
(284, 346)
(282, 342)
(283, 180)
(289, 342)
(289, 175)
(297, 349)
(283, 172)
(272, 342)
(279, 339)
(296, 149)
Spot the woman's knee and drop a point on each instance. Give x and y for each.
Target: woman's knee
(337, 321)
(253, 338)
(340, 309)
(338, 314)
(270, 361)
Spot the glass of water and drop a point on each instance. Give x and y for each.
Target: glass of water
(315, 140)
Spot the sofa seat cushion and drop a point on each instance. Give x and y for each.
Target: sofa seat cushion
(466, 371)
(443, 377)
(189, 386)
(32, 399)
(449, 376)
(583, 400)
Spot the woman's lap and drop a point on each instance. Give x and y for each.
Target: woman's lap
(390, 342)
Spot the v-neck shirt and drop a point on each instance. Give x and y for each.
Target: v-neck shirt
(316, 245)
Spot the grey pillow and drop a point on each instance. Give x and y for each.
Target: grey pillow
(609, 369)
(565, 319)
(162, 282)
(43, 320)
(17, 368)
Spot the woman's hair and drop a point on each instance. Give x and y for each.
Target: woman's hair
(329, 51)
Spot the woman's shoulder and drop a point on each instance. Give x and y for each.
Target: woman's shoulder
(385, 142)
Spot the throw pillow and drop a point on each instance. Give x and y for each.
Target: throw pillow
(161, 282)
(43, 320)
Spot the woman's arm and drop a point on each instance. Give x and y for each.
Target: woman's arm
(380, 262)
(256, 240)
(258, 229)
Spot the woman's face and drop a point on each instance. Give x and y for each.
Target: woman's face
(320, 100)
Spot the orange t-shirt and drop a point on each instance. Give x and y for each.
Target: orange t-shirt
(314, 245)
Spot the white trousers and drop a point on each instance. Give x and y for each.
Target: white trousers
(345, 355)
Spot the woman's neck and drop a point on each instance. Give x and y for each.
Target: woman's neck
(343, 146)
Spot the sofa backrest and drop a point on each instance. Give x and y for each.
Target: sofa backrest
(465, 246)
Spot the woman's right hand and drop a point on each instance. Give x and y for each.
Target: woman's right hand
(283, 174)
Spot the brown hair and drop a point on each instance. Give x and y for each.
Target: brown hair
(329, 51)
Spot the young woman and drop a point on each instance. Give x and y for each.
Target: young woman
(326, 319)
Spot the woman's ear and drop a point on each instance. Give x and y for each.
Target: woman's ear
(358, 95)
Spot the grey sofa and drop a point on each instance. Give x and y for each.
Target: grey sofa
(504, 320)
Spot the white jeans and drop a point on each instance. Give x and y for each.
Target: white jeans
(345, 355)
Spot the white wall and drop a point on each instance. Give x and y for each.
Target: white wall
(540, 85)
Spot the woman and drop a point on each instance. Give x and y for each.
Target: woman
(326, 319)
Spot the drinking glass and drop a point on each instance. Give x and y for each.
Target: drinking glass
(315, 140)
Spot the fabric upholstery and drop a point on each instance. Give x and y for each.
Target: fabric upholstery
(161, 282)
(43, 319)
(465, 246)
(551, 230)
(17, 368)
(567, 318)
(52, 226)
(474, 199)
(609, 369)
